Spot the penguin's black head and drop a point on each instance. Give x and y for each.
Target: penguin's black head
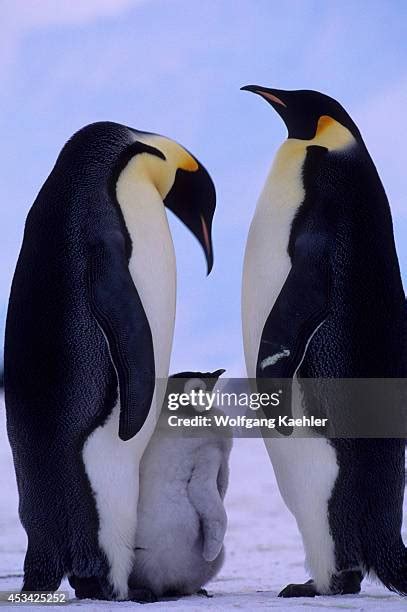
(183, 183)
(192, 199)
(301, 110)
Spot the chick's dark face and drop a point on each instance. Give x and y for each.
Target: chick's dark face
(302, 109)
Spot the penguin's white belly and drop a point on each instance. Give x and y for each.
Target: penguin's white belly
(267, 263)
(306, 469)
(111, 464)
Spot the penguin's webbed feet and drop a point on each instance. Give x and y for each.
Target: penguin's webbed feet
(92, 588)
(308, 589)
(347, 582)
(344, 583)
(87, 588)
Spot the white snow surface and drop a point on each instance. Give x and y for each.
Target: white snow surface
(263, 547)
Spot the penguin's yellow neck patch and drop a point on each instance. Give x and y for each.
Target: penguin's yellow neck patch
(176, 155)
(331, 134)
(161, 172)
(288, 162)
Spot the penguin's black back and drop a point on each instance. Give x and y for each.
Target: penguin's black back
(363, 336)
(364, 333)
(52, 341)
(59, 380)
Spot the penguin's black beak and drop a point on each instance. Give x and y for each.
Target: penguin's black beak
(192, 199)
(273, 96)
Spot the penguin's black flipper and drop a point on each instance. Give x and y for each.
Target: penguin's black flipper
(300, 308)
(116, 305)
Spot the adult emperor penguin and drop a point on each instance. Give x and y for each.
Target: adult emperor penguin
(89, 329)
(322, 297)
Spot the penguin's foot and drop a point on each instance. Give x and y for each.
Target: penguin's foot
(142, 596)
(347, 583)
(87, 588)
(308, 589)
(90, 588)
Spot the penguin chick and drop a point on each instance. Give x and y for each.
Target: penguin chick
(181, 519)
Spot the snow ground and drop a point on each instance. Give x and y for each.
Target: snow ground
(263, 548)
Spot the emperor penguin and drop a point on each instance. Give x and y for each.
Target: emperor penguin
(322, 297)
(88, 336)
(181, 519)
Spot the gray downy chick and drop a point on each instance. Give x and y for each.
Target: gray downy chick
(181, 517)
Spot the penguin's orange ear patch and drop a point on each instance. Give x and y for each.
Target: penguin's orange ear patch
(332, 134)
(188, 163)
(324, 122)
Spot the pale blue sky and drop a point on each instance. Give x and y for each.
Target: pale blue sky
(175, 67)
